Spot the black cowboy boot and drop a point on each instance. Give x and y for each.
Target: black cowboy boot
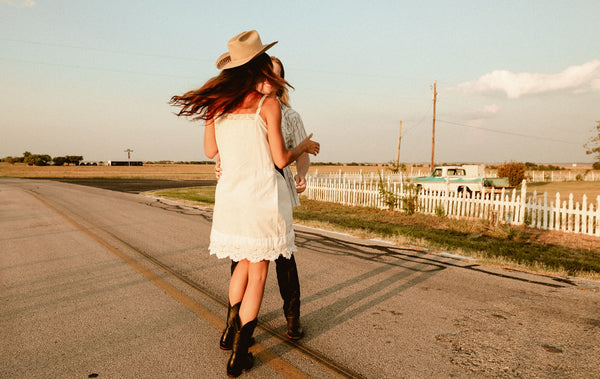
(227, 337)
(241, 359)
(289, 288)
(294, 330)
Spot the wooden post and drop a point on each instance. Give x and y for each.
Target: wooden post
(398, 150)
(433, 131)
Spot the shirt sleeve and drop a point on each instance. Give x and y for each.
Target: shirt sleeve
(295, 129)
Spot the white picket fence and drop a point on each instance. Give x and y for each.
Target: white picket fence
(508, 207)
(532, 176)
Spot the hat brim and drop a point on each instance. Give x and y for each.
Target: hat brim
(224, 62)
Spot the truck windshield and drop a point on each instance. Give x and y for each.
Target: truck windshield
(456, 172)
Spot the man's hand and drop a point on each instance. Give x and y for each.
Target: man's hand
(300, 183)
(310, 146)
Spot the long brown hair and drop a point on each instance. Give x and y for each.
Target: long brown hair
(282, 93)
(223, 93)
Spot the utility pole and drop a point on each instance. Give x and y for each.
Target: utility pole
(433, 132)
(128, 151)
(398, 150)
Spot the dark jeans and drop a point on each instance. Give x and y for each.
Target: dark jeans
(289, 285)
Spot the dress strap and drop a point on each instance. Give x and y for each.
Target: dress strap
(260, 103)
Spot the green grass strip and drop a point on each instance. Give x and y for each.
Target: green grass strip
(511, 243)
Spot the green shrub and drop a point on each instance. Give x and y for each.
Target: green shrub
(440, 212)
(396, 167)
(410, 202)
(388, 197)
(514, 171)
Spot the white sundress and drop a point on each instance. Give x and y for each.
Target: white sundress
(252, 216)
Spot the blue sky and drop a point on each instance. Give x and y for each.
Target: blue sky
(516, 80)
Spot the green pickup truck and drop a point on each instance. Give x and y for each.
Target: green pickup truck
(456, 179)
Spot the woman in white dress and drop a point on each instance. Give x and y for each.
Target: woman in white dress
(252, 220)
(293, 132)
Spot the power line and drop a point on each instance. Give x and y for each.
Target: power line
(509, 132)
(420, 121)
(102, 50)
(86, 48)
(91, 68)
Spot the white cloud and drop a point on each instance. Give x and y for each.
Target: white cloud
(488, 111)
(477, 117)
(20, 3)
(578, 79)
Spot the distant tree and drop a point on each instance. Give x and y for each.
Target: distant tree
(26, 154)
(37, 159)
(59, 161)
(592, 146)
(74, 159)
(514, 171)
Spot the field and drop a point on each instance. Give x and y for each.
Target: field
(150, 171)
(578, 189)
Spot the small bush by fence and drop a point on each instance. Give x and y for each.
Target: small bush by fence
(508, 207)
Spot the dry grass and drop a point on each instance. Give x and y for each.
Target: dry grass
(578, 189)
(149, 171)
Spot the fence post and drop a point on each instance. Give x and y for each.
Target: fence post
(557, 214)
(583, 226)
(446, 197)
(597, 226)
(523, 203)
(546, 214)
(570, 215)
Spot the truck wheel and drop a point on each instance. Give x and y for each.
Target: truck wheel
(466, 190)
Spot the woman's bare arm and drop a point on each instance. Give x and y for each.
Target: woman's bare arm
(210, 141)
(282, 157)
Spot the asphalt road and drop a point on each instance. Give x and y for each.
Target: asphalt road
(133, 185)
(98, 283)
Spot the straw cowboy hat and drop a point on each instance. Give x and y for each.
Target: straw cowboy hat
(242, 48)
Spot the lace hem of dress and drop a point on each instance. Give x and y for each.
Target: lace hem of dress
(255, 250)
